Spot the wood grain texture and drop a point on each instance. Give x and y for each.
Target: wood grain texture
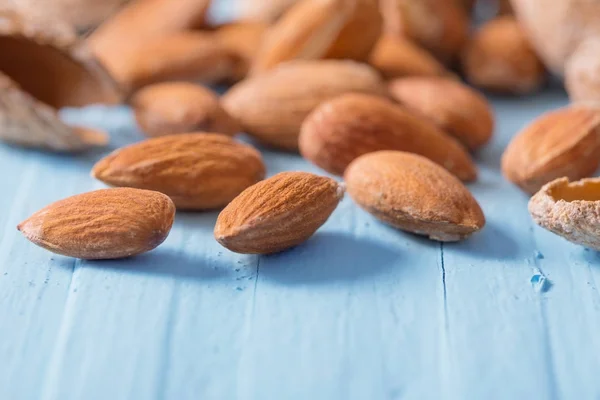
(359, 311)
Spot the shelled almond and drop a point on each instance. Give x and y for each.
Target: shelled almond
(414, 194)
(277, 213)
(180, 107)
(104, 224)
(197, 170)
(452, 106)
(272, 106)
(560, 143)
(351, 125)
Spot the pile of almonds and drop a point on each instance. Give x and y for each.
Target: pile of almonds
(366, 90)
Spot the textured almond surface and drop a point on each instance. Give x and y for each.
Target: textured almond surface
(441, 26)
(24, 121)
(277, 213)
(50, 63)
(454, 107)
(351, 125)
(314, 29)
(182, 56)
(104, 224)
(500, 58)
(396, 56)
(561, 143)
(271, 106)
(414, 194)
(180, 107)
(197, 170)
(571, 210)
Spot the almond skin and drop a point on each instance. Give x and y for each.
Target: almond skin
(454, 107)
(570, 210)
(354, 124)
(561, 143)
(277, 213)
(271, 106)
(396, 56)
(180, 107)
(314, 29)
(500, 58)
(197, 170)
(182, 56)
(414, 194)
(104, 224)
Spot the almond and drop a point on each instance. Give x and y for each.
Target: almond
(440, 26)
(570, 210)
(182, 56)
(414, 194)
(396, 56)
(48, 61)
(143, 21)
(277, 213)
(104, 224)
(24, 121)
(561, 143)
(351, 125)
(582, 72)
(313, 29)
(271, 106)
(197, 170)
(500, 58)
(180, 107)
(451, 105)
(242, 39)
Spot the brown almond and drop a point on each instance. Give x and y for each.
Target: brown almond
(277, 213)
(48, 61)
(197, 170)
(500, 58)
(314, 29)
(354, 124)
(143, 21)
(570, 210)
(396, 56)
(440, 26)
(264, 11)
(24, 121)
(560, 143)
(271, 106)
(414, 194)
(104, 224)
(454, 107)
(180, 107)
(242, 39)
(182, 56)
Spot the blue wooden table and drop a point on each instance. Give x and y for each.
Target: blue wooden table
(360, 311)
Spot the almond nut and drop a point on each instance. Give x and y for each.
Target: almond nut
(500, 58)
(314, 29)
(561, 143)
(182, 56)
(277, 213)
(180, 107)
(451, 105)
(413, 194)
(351, 125)
(197, 170)
(104, 224)
(271, 106)
(396, 56)
(264, 11)
(570, 210)
(24, 121)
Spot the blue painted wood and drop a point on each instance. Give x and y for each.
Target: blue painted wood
(359, 311)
